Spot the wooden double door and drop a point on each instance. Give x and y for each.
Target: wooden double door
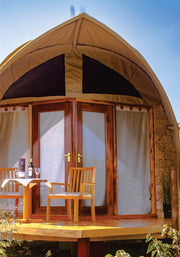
(72, 133)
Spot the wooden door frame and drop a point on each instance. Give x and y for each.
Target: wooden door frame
(48, 107)
(72, 119)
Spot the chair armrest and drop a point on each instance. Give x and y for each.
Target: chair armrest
(91, 189)
(90, 184)
(58, 184)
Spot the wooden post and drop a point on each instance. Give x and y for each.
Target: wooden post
(174, 199)
(83, 247)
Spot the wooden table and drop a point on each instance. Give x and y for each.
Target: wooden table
(27, 184)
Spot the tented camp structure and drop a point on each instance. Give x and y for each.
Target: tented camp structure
(80, 95)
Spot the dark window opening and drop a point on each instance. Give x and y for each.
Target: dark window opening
(100, 79)
(47, 79)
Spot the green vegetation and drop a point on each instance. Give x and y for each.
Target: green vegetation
(7, 228)
(36, 249)
(171, 246)
(167, 246)
(10, 247)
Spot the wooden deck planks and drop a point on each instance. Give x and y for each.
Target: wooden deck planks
(101, 230)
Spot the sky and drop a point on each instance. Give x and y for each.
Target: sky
(150, 26)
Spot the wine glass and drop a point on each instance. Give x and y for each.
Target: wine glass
(37, 171)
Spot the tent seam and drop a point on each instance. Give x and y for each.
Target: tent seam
(76, 32)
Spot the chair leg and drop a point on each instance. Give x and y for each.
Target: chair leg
(48, 209)
(76, 209)
(93, 210)
(69, 211)
(16, 207)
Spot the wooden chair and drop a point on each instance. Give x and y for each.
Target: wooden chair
(81, 185)
(10, 191)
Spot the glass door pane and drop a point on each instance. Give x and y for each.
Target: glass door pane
(94, 151)
(52, 160)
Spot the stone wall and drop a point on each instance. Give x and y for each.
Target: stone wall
(165, 154)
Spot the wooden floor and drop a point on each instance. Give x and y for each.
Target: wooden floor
(100, 230)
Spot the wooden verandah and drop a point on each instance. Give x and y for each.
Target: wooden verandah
(86, 232)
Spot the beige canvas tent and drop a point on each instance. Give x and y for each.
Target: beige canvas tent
(86, 92)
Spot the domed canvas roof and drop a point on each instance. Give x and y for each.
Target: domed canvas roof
(71, 45)
(86, 36)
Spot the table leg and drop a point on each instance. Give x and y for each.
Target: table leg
(27, 203)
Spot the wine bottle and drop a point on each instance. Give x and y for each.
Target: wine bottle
(30, 169)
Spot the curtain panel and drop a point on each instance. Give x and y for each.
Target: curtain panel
(133, 160)
(13, 143)
(13, 136)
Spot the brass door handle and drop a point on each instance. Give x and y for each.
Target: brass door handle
(79, 157)
(68, 156)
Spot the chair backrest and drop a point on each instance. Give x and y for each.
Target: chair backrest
(6, 173)
(79, 175)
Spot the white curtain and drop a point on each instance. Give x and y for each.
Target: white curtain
(13, 141)
(133, 161)
(13, 137)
